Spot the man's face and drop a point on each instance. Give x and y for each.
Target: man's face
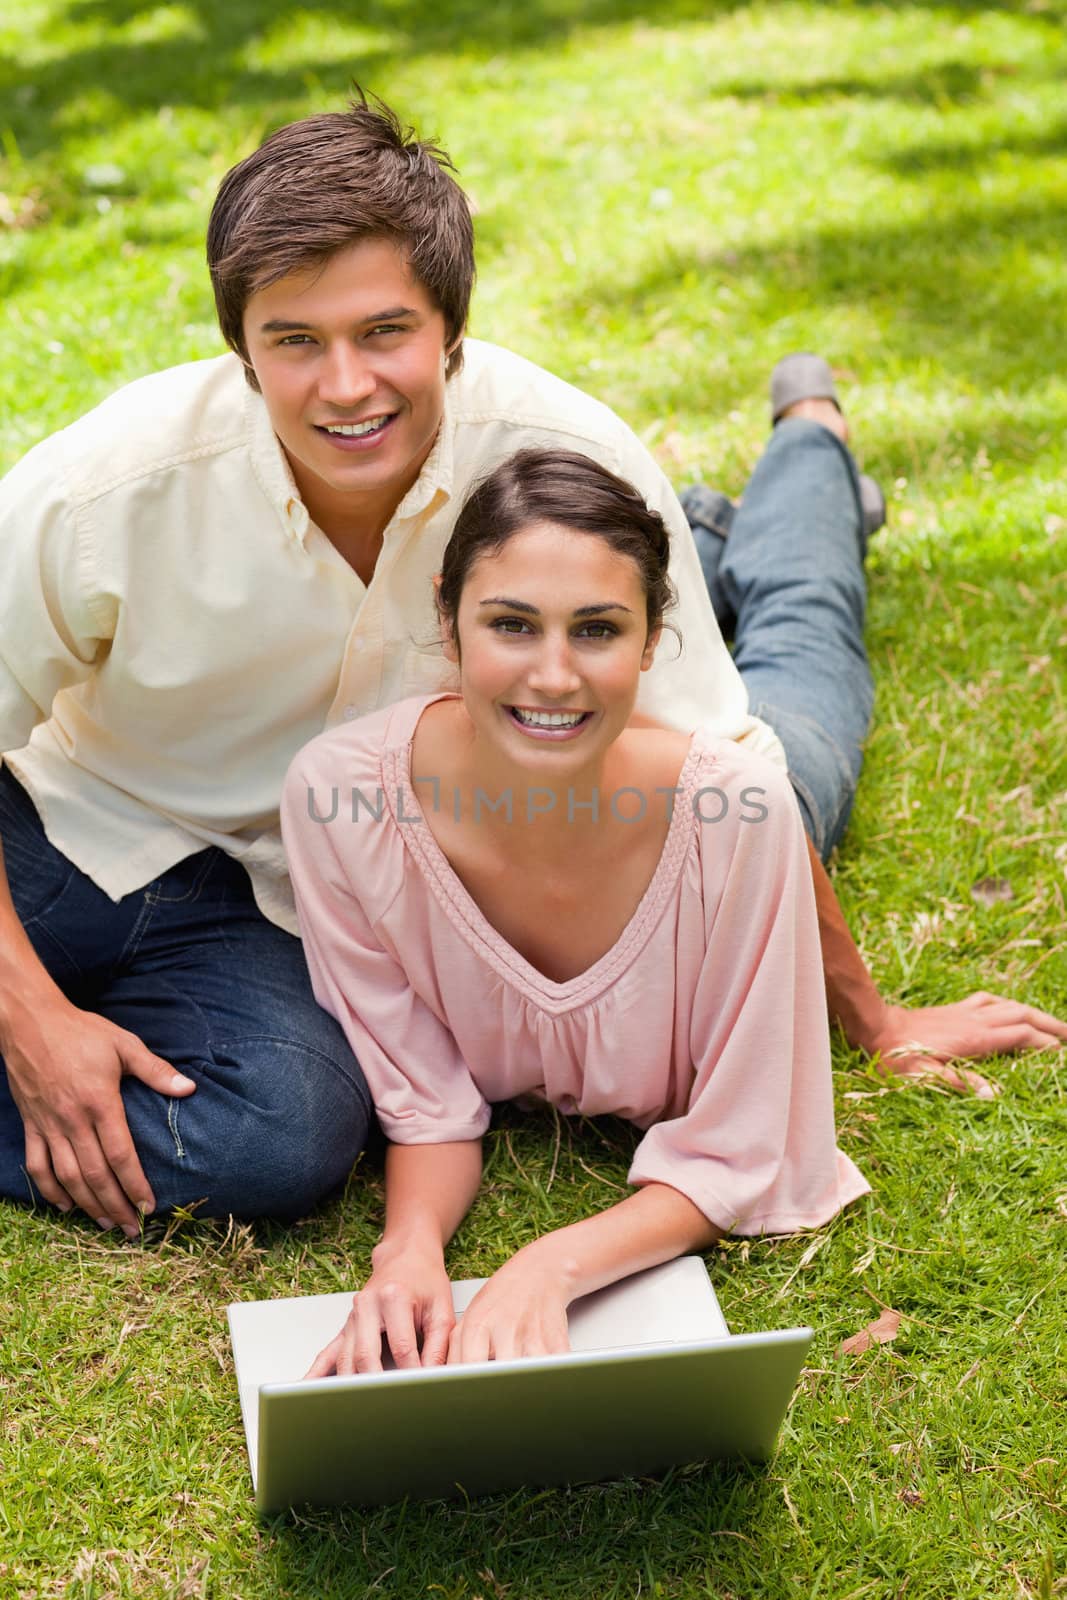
(350, 358)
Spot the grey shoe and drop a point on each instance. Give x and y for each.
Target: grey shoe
(803, 376)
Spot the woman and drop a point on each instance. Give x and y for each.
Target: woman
(519, 891)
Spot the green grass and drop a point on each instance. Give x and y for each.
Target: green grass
(670, 195)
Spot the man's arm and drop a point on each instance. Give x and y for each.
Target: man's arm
(64, 1067)
(921, 1041)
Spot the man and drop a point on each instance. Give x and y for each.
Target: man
(207, 570)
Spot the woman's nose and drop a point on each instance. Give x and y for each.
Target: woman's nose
(554, 672)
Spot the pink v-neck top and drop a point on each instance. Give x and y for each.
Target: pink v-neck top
(705, 1023)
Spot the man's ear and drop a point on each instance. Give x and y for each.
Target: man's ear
(448, 640)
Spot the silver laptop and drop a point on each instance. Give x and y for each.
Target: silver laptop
(654, 1379)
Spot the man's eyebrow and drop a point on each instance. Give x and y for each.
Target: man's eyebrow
(532, 611)
(283, 325)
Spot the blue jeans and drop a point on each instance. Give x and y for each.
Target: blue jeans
(191, 966)
(785, 573)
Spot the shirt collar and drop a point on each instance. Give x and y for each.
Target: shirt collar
(275, 475)
(435, 479)
(271, 466)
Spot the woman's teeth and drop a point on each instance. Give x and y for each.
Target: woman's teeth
(548, 719)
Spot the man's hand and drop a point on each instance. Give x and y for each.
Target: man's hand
(923, 1042)
(520, 1311)
(408, 1298)
(64, 1067)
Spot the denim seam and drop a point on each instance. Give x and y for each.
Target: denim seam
(153, 898)
(36, 922)
(172, 1124)
(144, 916)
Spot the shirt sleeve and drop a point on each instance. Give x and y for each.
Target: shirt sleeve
(421, 1087)
(51, 629)
(756, 1149)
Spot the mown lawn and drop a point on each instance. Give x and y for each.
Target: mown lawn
(670, 195)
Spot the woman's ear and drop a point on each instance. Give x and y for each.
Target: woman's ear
(647, 654)
(448, 638)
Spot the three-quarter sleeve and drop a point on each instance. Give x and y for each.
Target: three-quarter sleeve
(50, 633)
(756, 1149)
(422, 1089)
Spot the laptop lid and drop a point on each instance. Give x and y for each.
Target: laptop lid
(653, 1380)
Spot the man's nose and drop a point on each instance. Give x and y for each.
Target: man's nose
(345, 378)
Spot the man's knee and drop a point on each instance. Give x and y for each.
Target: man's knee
(272, 1128)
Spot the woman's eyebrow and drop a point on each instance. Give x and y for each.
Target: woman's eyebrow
(532, 611)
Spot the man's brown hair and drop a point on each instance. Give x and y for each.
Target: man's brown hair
(319, 185)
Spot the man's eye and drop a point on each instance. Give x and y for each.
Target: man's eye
(296, 338)
(388, 327)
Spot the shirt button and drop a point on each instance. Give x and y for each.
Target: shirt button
(350, 713)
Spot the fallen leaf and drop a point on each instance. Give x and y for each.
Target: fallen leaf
(881, 1331)
(910, 1497)
(988, 891)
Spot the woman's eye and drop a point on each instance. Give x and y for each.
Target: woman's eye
(509, 625)
(598, 630)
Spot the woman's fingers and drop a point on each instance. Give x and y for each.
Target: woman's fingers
(438, 1320)
(409, 1316)
(363, 1336)
(509, 1330)
(325, 1363)
(469, 1341)
(397, 1317)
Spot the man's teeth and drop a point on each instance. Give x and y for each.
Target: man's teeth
(549, 719)
(354, 430)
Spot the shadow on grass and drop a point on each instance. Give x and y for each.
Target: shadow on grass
(706, 1525)
(943, 83)
(958, 156)
(947, 288)
(207, 65)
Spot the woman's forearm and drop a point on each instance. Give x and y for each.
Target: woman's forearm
(429, 1189)
(654, 1225)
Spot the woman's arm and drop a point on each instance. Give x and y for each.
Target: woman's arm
(522, 1310)
(428, 1191)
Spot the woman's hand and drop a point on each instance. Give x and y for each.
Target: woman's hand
(407, 1298)
(520, 1311)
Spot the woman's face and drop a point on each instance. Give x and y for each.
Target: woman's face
(553, 637)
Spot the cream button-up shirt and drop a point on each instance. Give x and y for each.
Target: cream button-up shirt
(173, 627)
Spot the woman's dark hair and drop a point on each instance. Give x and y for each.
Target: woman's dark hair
(316, 187)
(569, 489)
